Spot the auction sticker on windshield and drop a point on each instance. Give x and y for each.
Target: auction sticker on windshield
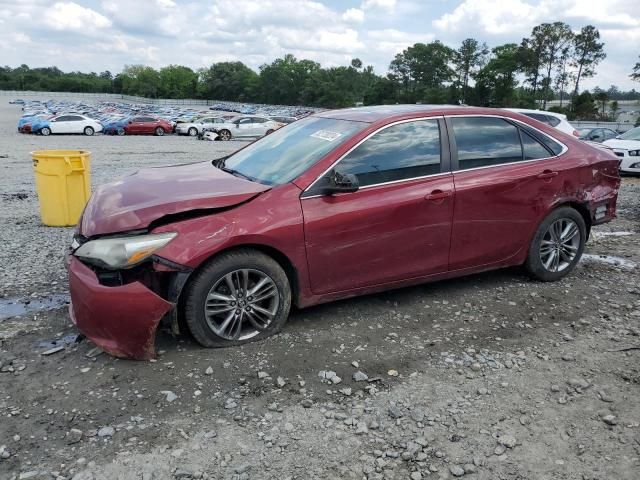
(326, 135)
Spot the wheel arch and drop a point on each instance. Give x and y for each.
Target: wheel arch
(582, 209)
(272, 252)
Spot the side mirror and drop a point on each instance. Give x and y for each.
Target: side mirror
(341, 183)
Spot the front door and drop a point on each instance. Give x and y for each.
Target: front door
(505, 180)
(396, 226)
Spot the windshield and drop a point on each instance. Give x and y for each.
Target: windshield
(633, 134)
(286, 153)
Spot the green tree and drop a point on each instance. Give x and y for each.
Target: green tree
(588, 52)
(602, 98)
(422, 68)
(554, 38)
(285, 79)
(177, 81)
(496, 81)
(228, 81)
(140, 80)
(583, 107)
(635, 74)
(614, 108)
(468, 60)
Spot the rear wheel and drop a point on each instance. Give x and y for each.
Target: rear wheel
(46, 131)
(557, 245)
(121, 131)
(193, 131)
(224, 135)
(88, 131)
(239, 297)
(269, 132)
(159, 131)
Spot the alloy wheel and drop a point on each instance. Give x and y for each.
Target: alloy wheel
(241, 304)
(560, 245)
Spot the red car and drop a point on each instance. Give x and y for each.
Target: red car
(147, 126)
(338, 204)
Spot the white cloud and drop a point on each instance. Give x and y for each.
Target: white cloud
(94, 35)
(353, 15)
(514, 16)
(386, 4)
(71, 16)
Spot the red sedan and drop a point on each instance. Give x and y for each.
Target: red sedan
(147, 126)
(338, 204)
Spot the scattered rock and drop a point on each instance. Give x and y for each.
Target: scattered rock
(106, 432)
(360, 376)
(208, 371)
(74, 436)
(456, 470)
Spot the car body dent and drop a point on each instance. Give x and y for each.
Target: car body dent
(136, 201)
(121, 320)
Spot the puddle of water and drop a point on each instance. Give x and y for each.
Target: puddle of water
(613, 234)
(59, 342)
(16, 307)
(610, 260)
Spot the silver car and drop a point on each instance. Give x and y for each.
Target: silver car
(198, 125)
(245, 126)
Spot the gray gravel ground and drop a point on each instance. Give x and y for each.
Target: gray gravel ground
(493, 376)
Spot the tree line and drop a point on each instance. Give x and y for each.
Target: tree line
(550, 64)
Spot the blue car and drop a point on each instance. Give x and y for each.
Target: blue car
(115, 127)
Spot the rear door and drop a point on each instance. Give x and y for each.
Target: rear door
(506, 175)
(397, 225)
(60, 124)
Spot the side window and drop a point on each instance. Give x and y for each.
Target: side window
(551, 120)
(63, 118)
(74, 118)
(531, 148)
(399, 152)
(484, 141)
(244, 121)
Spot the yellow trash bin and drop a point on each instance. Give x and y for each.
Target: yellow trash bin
(63, 185)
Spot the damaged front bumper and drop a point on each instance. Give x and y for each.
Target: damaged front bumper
(122, 319)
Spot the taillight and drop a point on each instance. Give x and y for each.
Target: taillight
(576, 133)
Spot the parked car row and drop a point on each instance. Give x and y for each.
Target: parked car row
(121, 118)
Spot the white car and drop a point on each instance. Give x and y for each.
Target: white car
(556, 120)
(627, 147)
(197, 126)
(246, 126)
(69, 123)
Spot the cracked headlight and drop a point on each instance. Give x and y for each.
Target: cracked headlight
(122, 252)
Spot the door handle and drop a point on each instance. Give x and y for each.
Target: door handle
(437, 195)
(547, 174)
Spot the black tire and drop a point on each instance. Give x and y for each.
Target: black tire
(88, 131)
(192, 132)
(224, 135)
(269, 132)
(121, 131)
(534, 263)
(46, 131)
(159, 131)
(214, 271)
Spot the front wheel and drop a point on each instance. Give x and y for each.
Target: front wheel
(238, 297)
(193, 131)
(46, 131)
(269, 132)
(88, 131)
(557, 245)
(121, 131)
(224, 135)
(159, 131)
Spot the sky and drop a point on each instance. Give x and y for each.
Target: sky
(98, 35)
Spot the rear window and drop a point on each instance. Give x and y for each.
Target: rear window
(548, 119)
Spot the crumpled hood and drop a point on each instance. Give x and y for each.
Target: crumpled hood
(623, 144)
(135, 201)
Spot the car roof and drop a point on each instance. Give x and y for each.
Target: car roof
(390, 113)
(541, 112)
